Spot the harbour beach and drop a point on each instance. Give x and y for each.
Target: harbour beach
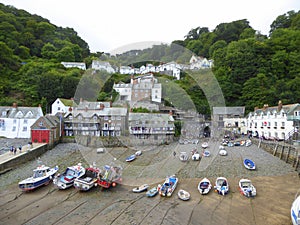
(276, 182)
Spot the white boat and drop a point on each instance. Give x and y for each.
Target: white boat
(88, 179)
(247, 188)
(168, 187)
(100, 150)
(183, 195)
(204, 145)
(66, 180)
(223, 152)
(222, 186)
(295, 211)
(183, 156)
(143, 187)
(42, 175)
(138, 153)
(221, 147)
(248, 143)
(152, 192)
(206, 153)
(196, 156)
(204, 186)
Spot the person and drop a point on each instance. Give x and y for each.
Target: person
(15, 150)
(174, 153)
(20, 148)
(12, 150)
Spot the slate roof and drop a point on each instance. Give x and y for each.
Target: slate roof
(20, 112)
(240, 110)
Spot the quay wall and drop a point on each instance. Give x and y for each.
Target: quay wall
(284, 151)
(25, 156)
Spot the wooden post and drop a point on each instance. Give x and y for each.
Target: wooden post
(281, 153)
(288, 154)
(275, 149)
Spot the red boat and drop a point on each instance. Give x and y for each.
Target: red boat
(110, 176)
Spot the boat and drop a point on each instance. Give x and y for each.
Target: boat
(138, 153)
(249, 164)
(204, 186)
(221, 147)
(183, 156)
(230, 144)
(152, 192)
(183, 195)
(131, 158)
(168, 187)
(66, 180)
(110, 176)
(247, 188)
(42, 175)
(248, 143)
(143, 187)
(223, 152)
(204, 145)
(196, 156)
(222, 186)
(88, 179)
(100, 150)
(295, 211)
(206, 153)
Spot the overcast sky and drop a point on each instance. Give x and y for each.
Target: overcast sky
(111, 24)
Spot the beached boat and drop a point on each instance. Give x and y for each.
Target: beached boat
(143, 187)
(206, 153)
(168, 187)
(223, 152)
(42, 175)
(204, 186)
(152, 192)
(247, 188)
(249, 164)
(196, 156)
(204, 145)
(248, 143)
(183, 195)
(110, 176)
(222, 186)
(66, 180)
(295, 211)
(138, 153)
(87, 180)
(131, 158)
(183, 156)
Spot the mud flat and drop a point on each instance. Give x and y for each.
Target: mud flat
(276, 182)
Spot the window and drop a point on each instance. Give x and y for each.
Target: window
(24, 129)
(15, 121)
(25, 121)
(58, 108)
(14, 128)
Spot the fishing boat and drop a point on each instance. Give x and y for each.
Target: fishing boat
(143, 187)
(152, 192)
(196, 156)
(88, 179)
(249, 164)
(131, 158)
(66, 180)
(204, 145)
(222, 186)
(204, 186)
(247, 188)
(110, 176)
(295, 211)
(183, 195)
(42, 175)
(183, 156)
(168, 187)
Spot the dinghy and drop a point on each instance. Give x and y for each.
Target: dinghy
(152, 192)
(183, 195)
(222, 186)
(204, 186)
(247, 188)
(141, 188)
(168, 187)
(295, 211)
(183, 156)
(223, 152)
(249, 164)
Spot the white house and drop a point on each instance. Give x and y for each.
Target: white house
(197, 62)
(15, 122)
(79, 65)
(127, 70)
(124, 90)
(102, 65)
(62, 105)
(272, 122)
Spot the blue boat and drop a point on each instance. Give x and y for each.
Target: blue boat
(249, 164)
(152, 192)
(168, 187)
(295, 211)
(42, 175)
(131, 158)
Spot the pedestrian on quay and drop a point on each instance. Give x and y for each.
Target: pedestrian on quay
(12, 150)
(15, 151)
(20, 148)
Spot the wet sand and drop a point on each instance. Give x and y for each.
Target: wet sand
(275, 192)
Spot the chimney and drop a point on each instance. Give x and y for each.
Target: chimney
(15, 105)
(170, 113)
(265, 106)
(279, 105)
(101, 106)
(40, 105)
(255, 108)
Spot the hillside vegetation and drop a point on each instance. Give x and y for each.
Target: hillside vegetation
(252, 69)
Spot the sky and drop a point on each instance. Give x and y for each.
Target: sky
(109, 26)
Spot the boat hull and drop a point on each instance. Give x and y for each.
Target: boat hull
(204, 186)
(249, 164)
(168, 187)
(295, 211)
